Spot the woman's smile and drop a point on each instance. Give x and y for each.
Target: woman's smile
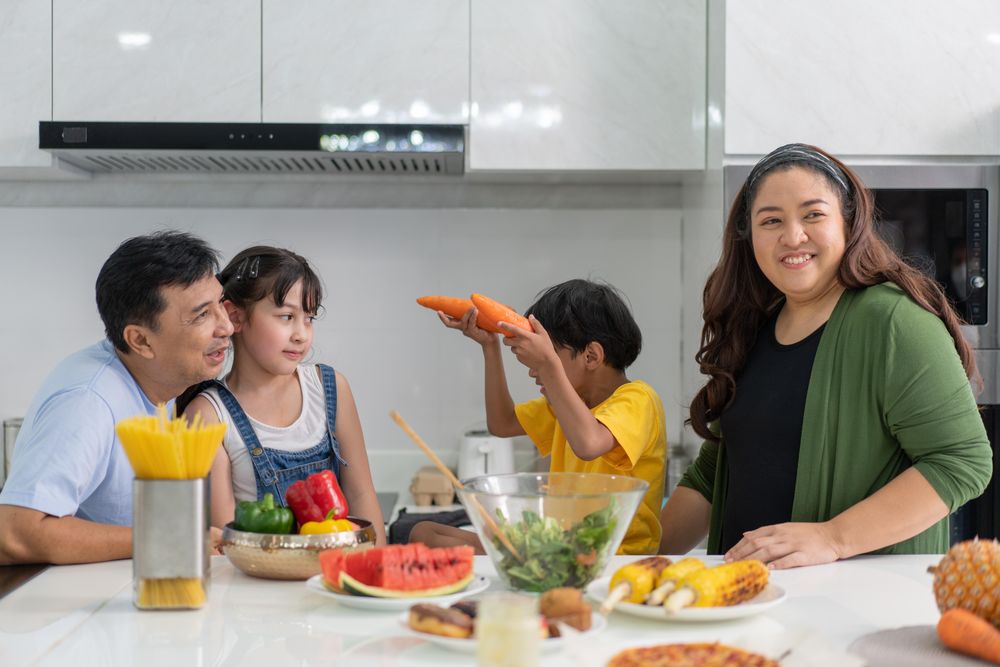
(797, 260)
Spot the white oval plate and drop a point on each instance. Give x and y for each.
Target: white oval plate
(597, 624)
(767, 598)
(315, 584)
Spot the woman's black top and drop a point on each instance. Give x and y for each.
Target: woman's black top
(761, 432)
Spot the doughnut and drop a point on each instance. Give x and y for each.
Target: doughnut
(467, 607)
(440, 621)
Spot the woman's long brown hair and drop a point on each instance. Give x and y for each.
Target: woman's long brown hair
(738, 298)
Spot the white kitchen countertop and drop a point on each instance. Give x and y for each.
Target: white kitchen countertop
(83, 615)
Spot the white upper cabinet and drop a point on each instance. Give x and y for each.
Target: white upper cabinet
(588, 85)
(25, 80)
(366, 61)
(863, 77)
(156, 60)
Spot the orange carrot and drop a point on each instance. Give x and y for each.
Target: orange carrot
(493, 312)
(449, 305)
(963, 631)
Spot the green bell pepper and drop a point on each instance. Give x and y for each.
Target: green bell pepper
(264, 517)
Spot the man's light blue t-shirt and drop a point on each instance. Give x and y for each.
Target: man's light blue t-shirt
(68, 460)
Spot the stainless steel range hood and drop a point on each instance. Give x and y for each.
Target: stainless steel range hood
(257, 148)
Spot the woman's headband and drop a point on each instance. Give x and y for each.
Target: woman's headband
(790, 153)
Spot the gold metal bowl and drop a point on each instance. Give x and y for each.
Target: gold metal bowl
(273, 556)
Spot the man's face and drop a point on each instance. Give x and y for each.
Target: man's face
(191, 340)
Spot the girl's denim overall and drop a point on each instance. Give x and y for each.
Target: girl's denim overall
(276, 470)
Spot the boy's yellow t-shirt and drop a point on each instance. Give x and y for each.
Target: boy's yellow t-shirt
(634, 415)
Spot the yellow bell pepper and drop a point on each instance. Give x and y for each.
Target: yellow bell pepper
(330, 525)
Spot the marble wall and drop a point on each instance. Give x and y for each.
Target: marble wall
(374, 262)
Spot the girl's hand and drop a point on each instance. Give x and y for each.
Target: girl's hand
(467, 325)
(215, 539)
(534, 349)
(787, 545)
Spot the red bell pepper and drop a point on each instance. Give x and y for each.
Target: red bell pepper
(317, 498)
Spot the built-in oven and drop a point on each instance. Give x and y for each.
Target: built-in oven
(943, 219)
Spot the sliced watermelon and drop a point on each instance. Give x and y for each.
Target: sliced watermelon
(399, 567)
(331, 562)
(352, 586)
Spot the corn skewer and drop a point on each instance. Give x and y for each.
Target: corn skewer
(634, 581)
(721, 586)
(671, 577)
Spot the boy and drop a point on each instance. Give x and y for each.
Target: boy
(590, 417)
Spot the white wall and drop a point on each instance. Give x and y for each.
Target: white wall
(374, 264)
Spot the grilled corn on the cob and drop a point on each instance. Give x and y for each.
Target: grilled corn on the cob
(670, 577)
(633, 582)
(720, 586)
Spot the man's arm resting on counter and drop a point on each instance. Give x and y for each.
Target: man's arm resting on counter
(30, 536)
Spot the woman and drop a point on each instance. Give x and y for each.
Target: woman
(838, 414)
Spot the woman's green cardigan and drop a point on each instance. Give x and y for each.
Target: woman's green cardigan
(887, 391)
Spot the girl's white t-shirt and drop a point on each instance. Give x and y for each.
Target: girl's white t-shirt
(305, 432)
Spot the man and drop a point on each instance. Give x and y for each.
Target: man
(68, 497)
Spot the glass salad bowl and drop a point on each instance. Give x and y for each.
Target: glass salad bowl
(546, 530)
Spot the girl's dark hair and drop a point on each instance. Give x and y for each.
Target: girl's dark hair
(738, 298)
(129, 283)
(578, 311)
(262, 271)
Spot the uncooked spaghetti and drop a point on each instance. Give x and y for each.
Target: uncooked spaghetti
(160, 448)
(172, 593)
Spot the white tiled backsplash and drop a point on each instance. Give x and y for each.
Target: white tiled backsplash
(374, 263)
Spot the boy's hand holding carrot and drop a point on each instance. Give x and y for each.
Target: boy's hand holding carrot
(534, 348)
(467, 325)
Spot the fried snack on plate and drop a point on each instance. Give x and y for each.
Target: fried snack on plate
(565, 605)
(435, 620)
(689, 655)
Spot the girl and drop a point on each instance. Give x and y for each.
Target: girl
(286, 419)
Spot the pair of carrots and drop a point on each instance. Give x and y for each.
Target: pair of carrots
(491, 312)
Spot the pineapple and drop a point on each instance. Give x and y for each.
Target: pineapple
(969, 577)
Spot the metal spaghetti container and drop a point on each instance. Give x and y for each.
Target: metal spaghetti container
(171, 547)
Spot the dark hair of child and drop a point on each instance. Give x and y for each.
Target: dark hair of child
(262, 271)
(579, 311)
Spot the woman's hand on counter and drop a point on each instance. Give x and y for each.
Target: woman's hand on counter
(785, 545)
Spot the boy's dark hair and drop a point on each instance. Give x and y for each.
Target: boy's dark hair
(578, 311)
(128, 285)
(262, 271)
